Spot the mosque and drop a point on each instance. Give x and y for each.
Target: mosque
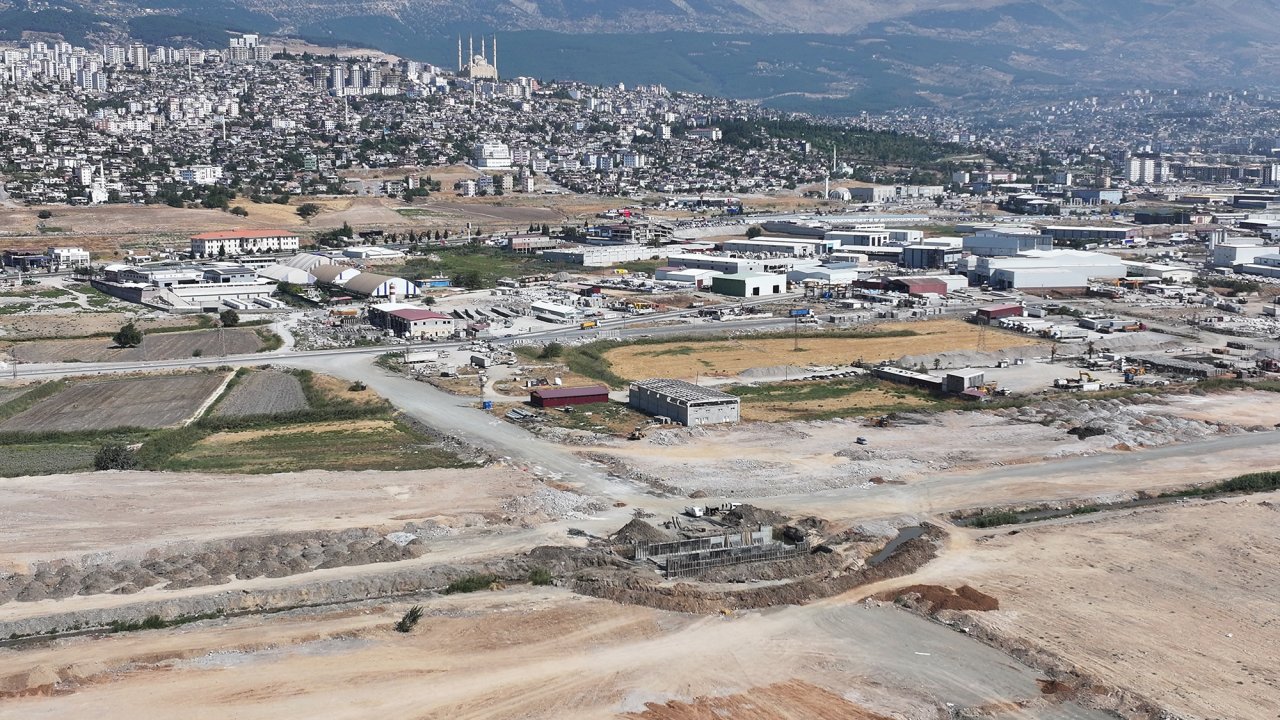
(480, 67)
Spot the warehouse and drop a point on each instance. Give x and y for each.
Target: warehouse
(1084, 232)
(374, 285)
(749, 284)
(548, 397)
(1042, 270)
(779, 246)
(684, 402)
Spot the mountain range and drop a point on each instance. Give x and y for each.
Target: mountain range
(821, 55)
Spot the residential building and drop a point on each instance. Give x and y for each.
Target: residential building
(228, 243)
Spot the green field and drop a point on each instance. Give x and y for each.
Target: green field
(473, 266)
(341, 429)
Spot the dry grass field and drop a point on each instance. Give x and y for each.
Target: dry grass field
(790, 401)
(151, 402)
(730, 357)
(156, 346)
(79, 324)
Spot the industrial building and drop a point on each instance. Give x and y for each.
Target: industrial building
(881, 193)
(684, 402)
(931, 256)
(598, 255)
(779, 246)
(1042, 270)
(749, 284)
(1003, 242)
(548, 397)
(1102, 234)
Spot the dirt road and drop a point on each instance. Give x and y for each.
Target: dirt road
(529, 653)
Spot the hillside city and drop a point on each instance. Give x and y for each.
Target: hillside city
(332, 380)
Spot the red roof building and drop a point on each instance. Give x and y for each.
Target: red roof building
(546, 397)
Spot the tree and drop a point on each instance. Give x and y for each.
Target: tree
(229, 318)
(552, 350)
(754, 231)
(239, 211)
(44, 214)
(308, 210)
(128, 336)
(114, 456)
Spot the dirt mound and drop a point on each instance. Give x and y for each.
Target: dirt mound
(935, 598)
(752, 515)
(794, 698)
(640, 531)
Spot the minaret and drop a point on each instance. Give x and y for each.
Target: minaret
(495, 56)
(471, 48)
(459, 53)
(483, 54)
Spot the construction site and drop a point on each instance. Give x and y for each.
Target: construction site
(972, 529)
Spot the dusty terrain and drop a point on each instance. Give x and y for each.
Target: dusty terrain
(128, 513)
(1174, 603)
(761, 460)
(530, 653)
(677, 359)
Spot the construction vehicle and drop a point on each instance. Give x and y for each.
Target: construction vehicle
(881, 421)
(637, 434)
(587, 324)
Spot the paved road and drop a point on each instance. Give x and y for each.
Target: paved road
(458, 416)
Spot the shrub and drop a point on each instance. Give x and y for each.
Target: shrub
(994, 519)
(410, 619)
(114, 456)
(552, 350)
(540, 576)
(197, 352)
(44, 214)
(308, 210)
(357, 386)
(229, 318)
(471, 583)
(128, 336)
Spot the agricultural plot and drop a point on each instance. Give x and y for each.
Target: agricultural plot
(152, 402)
(347, 445)
(156, 346)
(263, 392)
(19, 460)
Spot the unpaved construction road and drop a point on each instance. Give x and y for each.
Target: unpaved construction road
(528, 653)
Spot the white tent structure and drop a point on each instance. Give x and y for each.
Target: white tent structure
(286, 274)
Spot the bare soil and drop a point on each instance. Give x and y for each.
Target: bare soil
(1173, 603)
(157, 346)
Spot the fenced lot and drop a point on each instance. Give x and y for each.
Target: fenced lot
(150, 402)
(263, 392)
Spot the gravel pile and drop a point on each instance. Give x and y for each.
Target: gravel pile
(213, 564)
(549, 503)
(1122, 422)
